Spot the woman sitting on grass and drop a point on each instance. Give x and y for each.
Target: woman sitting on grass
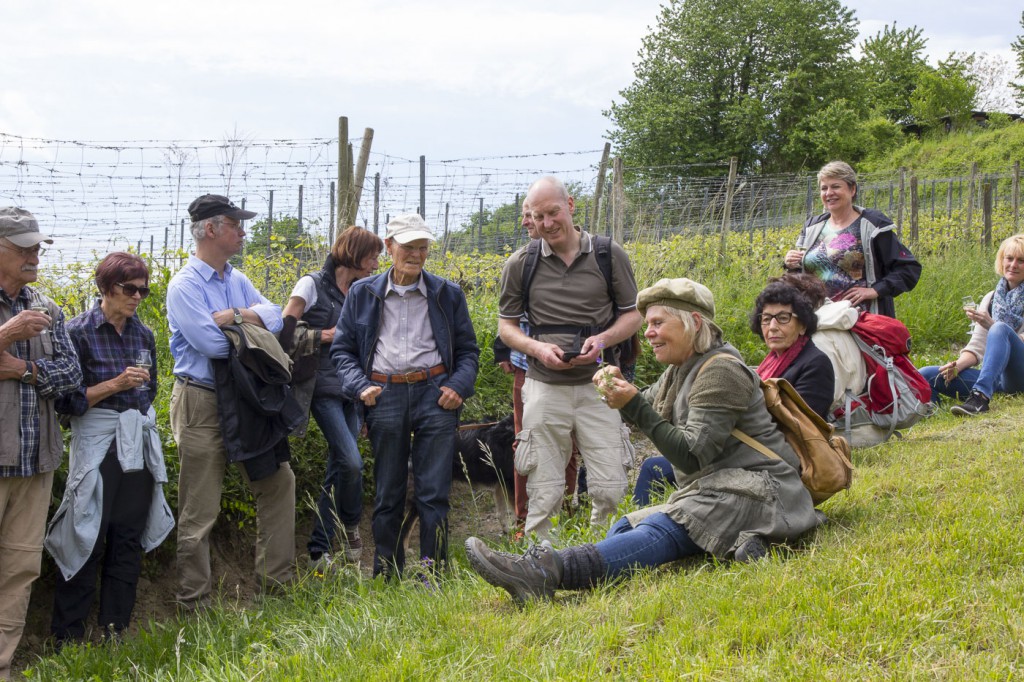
(733, 500)
(784, 318)
(996, 342)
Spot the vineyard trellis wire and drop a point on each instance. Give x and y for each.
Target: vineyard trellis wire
(97, 196)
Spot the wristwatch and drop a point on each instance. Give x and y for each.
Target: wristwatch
(238, 316)
(26, 378)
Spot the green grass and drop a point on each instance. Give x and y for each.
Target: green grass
(917, 575)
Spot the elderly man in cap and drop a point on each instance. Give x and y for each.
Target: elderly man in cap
(204, 296)
(37, 364)
(406, 348)
(582, 303)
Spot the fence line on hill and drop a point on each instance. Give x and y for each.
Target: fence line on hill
(100, 196)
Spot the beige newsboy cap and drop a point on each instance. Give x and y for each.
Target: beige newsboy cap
(681, 293)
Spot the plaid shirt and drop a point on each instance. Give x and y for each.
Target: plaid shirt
(54, 376)
(103, 355)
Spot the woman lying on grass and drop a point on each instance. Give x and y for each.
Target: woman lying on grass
(732, 500)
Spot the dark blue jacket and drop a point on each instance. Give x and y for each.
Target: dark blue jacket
(359, 328)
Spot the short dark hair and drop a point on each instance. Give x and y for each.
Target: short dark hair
(118, 267)
(808, 285)
(778, 293)
(354, 245)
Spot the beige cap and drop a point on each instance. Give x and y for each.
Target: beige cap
(408, 227)
(681, 293)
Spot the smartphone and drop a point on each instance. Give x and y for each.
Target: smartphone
(568, 355)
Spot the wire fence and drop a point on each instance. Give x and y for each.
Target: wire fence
(98, 196)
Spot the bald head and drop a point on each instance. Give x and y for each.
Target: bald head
(551, 210)
(548, 183)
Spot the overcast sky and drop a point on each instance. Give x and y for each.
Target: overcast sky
(445, 79)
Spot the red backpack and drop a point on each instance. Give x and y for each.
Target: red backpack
(896, 395)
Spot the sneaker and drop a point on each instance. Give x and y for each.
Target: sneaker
(353, 545)
(751, 550)
(321, 566)
(533, 575)
(975, 404)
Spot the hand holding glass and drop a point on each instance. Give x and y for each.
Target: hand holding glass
(40, 307)
(144, 360)
(969, 307)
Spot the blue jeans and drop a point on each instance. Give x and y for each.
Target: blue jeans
(1002, 368)
(654, 541)
(407, 421)
(656, 476)
(341, 496)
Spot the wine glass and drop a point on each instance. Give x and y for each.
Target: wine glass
(143, 359)
(38, 306)
(969, 306)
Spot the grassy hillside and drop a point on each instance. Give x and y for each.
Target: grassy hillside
(919, 574)
(994, 148)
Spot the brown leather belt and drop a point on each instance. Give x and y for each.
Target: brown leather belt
(408, 377)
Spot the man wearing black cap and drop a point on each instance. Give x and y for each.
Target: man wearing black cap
(205, 295)
(37, 364)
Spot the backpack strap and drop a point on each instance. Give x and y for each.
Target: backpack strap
(529, 268)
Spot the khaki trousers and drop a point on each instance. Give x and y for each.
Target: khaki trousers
(551, 414)
(24, 502)
(203, 463)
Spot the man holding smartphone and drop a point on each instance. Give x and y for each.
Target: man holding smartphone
(573, 320)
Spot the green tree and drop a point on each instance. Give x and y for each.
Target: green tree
(718, 78)
(944, 94)
(892, 64)
(285, 235)
(1018, 49)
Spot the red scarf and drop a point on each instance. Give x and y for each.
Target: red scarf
(774, 365)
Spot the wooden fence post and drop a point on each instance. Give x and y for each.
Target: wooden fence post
(344, 171)
(913, 208)
(970, 196)
(364, 158)
(727, 210)
(1015, 198)
(595, 222)
(986, 211)
(618, 200)
(270, 231)
(902, 201)
(423, 187)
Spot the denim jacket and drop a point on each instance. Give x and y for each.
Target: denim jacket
(359, 330)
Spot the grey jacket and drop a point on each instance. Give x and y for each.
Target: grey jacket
(728, 491)
(72, 533)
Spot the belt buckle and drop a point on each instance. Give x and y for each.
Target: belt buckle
(410, 377)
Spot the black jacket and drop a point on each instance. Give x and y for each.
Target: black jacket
(255, 406)
(812, 376)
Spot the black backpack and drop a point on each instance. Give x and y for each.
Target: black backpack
(623, 354)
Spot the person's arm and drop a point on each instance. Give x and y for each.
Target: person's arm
(901, 268)
(816, 383)
(62, 373)
(462, 377)
(345, 349)
(717, 398)
(187, 311)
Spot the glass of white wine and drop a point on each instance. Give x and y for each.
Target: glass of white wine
(144, 359)
(969, 306)
(38, 306)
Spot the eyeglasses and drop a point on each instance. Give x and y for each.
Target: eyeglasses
(782, 318)
(36, 250)
(130, 289)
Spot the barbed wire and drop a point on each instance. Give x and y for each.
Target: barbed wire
(97, 196)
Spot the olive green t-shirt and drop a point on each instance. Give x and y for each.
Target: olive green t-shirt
(559, 295)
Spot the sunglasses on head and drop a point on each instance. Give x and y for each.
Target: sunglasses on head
(130, 289)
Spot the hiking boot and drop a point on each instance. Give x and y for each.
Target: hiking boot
(751, 550)
(353, 545)
(975, 404)
(533, 575)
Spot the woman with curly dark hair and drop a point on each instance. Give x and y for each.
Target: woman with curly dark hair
(785, 319)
